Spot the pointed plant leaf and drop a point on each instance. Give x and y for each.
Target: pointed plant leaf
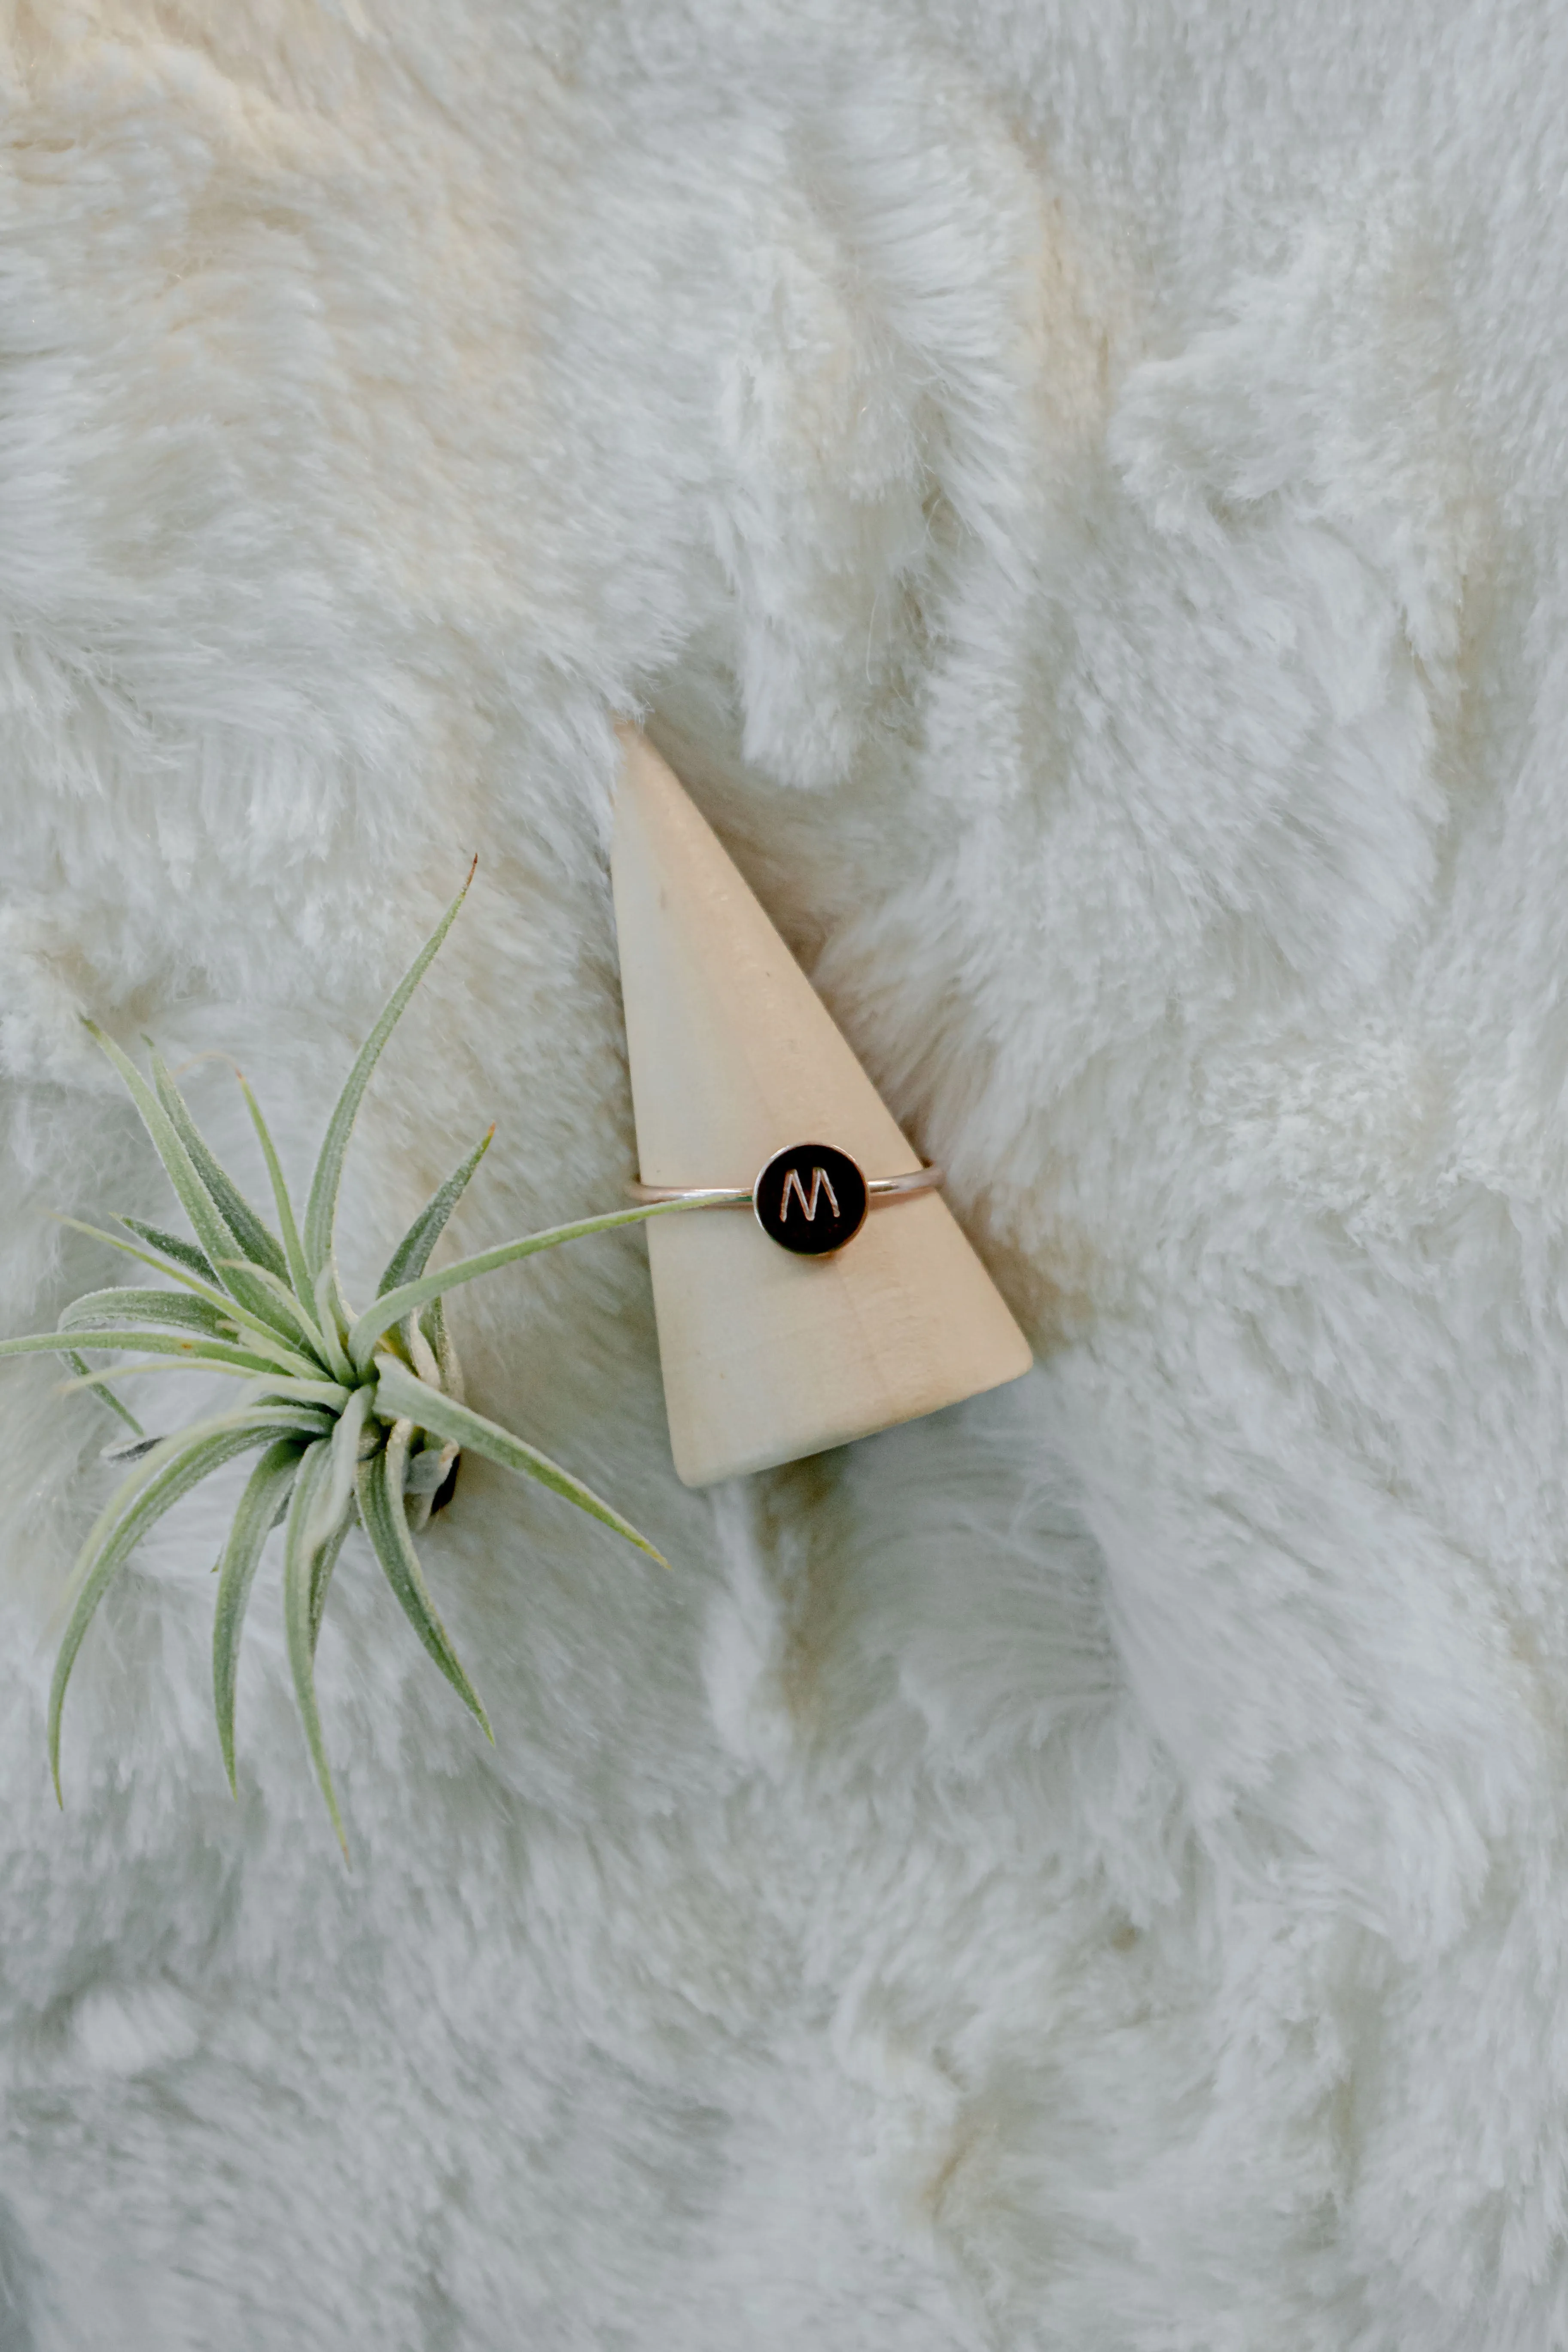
(169, 1472)
(399, 1396)
(326, 1559)
(179, 1308)
(327, 1297)
(265, 1494)
(259, 1246)
(433, 1323)
(303, 1323)
(201, 1353)
(382, 1512)
(299, 1560)
(410, 1256)
(170, 1245)
(293, 1249)
(329, 1396)
(267, 1337)
(104, 1395)
(212, 1231)
(394, 1305)
(417, 1353)
(320, 1209)
(337, 1488)
(267, 1388)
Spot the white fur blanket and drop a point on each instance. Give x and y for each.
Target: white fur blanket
(1078, 492)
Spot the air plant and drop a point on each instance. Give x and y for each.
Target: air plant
(353, 1416)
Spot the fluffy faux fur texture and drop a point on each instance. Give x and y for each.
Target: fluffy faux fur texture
(1078, 491)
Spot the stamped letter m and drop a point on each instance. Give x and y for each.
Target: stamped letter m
(819, 1184)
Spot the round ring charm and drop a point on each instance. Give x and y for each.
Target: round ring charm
(811, 1199)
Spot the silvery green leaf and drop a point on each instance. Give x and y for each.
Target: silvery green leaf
(381, 1508)
(336, 1491)
(270, 1388)
(201, 1353)
(299, 1272)
(399, 1396)
(295, 1362)
(265, 1494)
(395, 1303)
(219, 1313)
(170, 1245)
(420, 1354)
(321, 1210)
(324, 1396)
(259, 1246)
(433, 1323)
(104, 1395)
(169, 1472)
(409, 1259)
(264, 1337)
(328, 1298)
(302, 1321)
(326, 1559)
(301, 1620)
(181, 1309)
(217, 1237)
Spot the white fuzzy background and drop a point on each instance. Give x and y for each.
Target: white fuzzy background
(1079, 488)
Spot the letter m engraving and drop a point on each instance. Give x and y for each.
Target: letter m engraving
(819, 1184)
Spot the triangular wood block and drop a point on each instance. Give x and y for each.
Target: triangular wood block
(734, 1057)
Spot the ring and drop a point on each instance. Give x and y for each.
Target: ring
(811, 1199)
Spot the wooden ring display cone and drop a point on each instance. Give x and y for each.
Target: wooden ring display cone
(734, 1057)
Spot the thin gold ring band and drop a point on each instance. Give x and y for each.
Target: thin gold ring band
(743, 1196)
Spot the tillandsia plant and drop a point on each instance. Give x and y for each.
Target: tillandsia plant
(353, 1416)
